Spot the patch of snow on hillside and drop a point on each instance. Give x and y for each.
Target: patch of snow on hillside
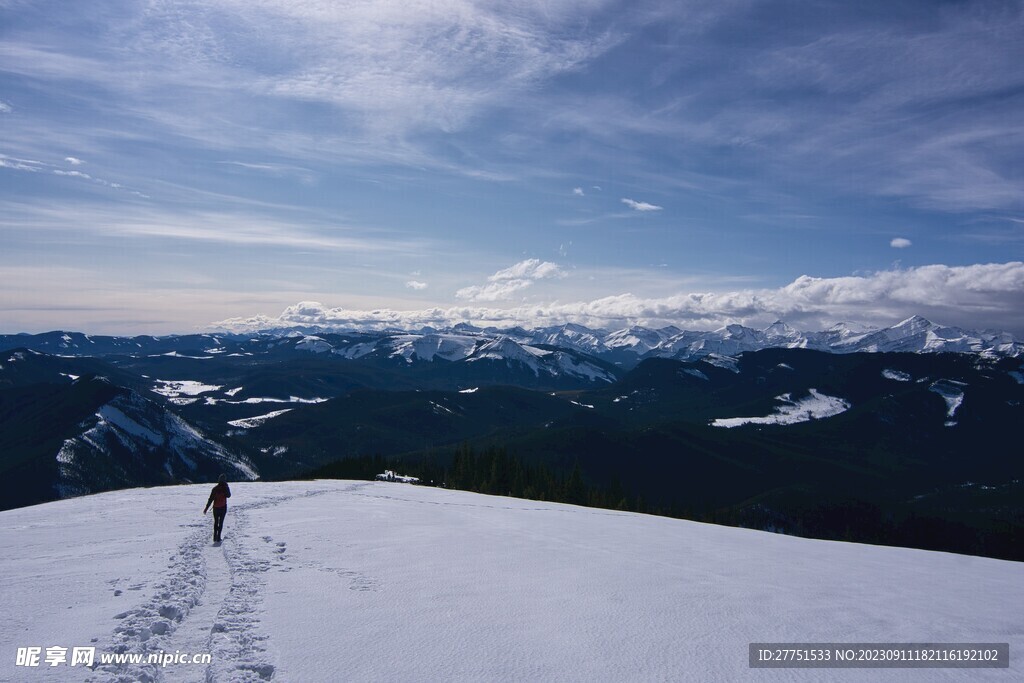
(469, 391)
(952, 394)
(116, 417)
(441, 410)
(896, 375)
(1019, 376)
(250, 422)
(173, 388)
(314, 345)
(356, 350)
(696, 373)
(581, 405)
(71, 377)
(814, 407)
(570, 366)
(175, 354)
(265, 399)
(719, 361)
(232, 392)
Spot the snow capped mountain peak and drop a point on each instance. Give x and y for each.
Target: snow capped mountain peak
(314, 344)
(638, 339)
(505, 348)
(915, 324)
(848, 327)
(736, 331)
(780, 329)
(571, 336)
(449, 347)
(541, 362)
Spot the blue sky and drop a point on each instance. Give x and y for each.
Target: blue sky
(169, 165)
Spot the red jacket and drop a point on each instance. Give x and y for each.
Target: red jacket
(219, 496)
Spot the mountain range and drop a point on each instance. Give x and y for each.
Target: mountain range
(877, 435)
(544, 349)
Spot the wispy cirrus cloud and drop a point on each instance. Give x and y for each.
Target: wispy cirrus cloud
(387, 71)
(209, 227)
(32, 166)
(16, 164)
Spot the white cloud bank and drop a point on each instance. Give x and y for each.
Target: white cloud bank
(982, 296)
(506, 282)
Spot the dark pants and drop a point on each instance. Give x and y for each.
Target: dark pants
(218, 521)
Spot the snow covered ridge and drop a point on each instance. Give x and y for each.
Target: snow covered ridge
(463, 348)
(131, 432)
(914, 335)
(563, 351)
(328, 580)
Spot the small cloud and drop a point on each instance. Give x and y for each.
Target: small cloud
(640, 206)
(414, 284)
(73, 174)
(494, 291)
(530, 269)
(5, 108)
(900, 243)
(597, 187)
(506, 282)
(74, 161)
(578, 191)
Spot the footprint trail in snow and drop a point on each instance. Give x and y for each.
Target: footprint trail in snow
(209, 601)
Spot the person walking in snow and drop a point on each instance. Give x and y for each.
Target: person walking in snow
(219, 499)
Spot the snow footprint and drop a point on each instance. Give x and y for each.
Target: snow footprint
(357, 581)
(146, 628)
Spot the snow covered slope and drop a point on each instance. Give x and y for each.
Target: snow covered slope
(328, 580)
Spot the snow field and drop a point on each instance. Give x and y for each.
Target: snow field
(816, 406)
(359, 581)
